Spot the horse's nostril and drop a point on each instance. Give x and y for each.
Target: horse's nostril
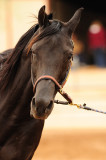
(50, 105)
(33, 101)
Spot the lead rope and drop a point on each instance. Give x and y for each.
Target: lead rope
(69, 102)
(79, 106)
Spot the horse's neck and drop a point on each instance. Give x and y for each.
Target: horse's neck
(18, 130)
(19, 92)
(3, 56)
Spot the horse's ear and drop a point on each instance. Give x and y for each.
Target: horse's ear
(73, 22)
(42, 17)
(50, 16)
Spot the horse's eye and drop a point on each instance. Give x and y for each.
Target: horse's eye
(73, 43)
(34, 55)
(70, 56)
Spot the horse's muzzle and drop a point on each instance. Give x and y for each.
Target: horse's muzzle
(42, 103)
(41, 108)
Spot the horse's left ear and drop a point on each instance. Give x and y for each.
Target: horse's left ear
(43, 17)
(73, 22)
(50, 16)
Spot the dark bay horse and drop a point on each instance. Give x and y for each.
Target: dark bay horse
(27, 83)
(3, 57)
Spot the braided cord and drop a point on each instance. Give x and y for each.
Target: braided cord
(79, 106)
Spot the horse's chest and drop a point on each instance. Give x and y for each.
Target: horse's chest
(22, 142)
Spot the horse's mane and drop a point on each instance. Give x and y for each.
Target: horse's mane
(13, 60)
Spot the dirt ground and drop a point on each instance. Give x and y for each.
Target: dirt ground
(72, 145)
(75, 134)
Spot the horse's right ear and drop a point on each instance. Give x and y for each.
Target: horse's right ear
(42, 17)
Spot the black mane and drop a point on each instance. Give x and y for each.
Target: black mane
(13, 59)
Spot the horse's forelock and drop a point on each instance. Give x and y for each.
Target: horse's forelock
(53, 28)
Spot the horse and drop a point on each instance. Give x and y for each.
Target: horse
(3, 56)
(28, 79)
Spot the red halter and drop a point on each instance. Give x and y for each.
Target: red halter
(47, 77)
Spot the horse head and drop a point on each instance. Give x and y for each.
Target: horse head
(52, 51)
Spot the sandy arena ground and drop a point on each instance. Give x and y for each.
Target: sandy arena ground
(75, 134)
(72, 145)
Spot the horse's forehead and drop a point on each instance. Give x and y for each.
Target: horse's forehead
(59, 40)
(64, 40)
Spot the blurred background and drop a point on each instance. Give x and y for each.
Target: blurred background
(69, 132)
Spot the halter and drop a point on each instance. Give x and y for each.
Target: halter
(64, 94)
(59, 86)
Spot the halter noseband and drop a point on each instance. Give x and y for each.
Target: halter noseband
(47, 77)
